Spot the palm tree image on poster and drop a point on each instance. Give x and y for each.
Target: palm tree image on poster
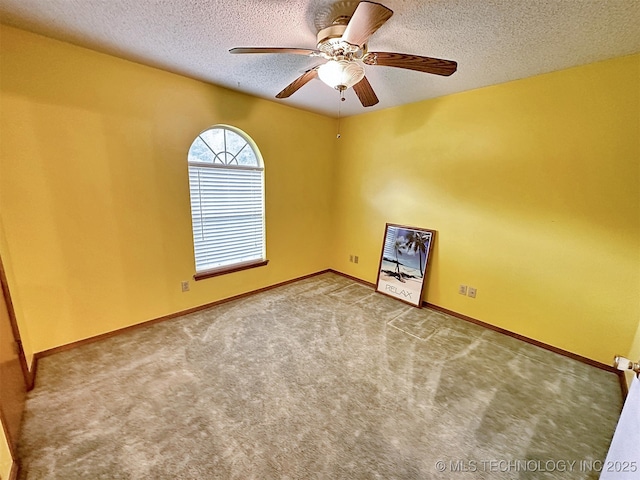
(404, 262)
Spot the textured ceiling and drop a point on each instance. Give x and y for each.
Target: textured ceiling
(493, 41)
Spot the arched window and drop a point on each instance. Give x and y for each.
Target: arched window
(226, 180)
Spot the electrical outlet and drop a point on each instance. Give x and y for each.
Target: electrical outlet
(351, 258)
(462, 289)
(185, 286)
(472, 292)
(355, 259)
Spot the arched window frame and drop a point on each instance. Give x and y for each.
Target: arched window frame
(227, 177)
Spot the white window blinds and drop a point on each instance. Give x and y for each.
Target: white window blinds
(227, 200)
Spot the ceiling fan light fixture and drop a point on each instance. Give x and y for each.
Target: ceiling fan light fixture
(343, 42)
(341, 74)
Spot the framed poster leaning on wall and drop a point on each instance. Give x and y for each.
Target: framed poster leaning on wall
(404, 262)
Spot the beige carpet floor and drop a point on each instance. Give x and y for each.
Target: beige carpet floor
(322, 378)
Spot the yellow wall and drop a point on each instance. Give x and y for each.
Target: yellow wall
(634, 351)
(534, 189)
(94, 194)
(532, 185)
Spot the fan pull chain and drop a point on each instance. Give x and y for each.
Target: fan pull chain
(340, 111)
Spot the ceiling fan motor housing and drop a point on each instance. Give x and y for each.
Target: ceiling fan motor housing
(331, 44)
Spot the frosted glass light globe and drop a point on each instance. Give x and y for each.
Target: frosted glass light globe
(341, 74)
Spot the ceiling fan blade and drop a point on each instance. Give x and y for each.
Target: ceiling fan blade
(295, 51)
(365, 93)
(436, 66)
(367, 18)
(298, 83)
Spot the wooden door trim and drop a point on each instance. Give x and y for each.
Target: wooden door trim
(15, 466)
(29, 377)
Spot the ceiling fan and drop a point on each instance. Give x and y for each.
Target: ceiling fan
(344, 45)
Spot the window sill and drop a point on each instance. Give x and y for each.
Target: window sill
(214, 272)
